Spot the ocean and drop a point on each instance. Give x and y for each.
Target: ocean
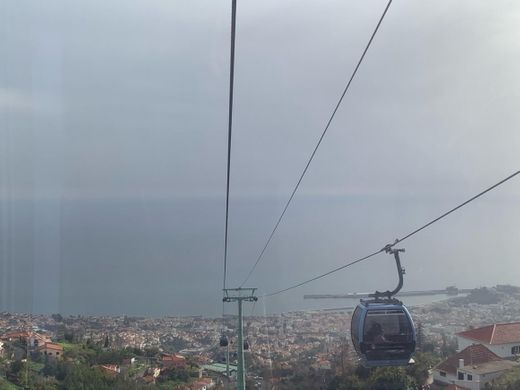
(165, 256)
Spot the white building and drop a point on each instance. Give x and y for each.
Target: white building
(502, 339)
(472, 368)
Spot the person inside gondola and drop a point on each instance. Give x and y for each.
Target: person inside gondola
(376, 334)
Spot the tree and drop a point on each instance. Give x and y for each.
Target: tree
(175, 375)
(16, 366)
(82, 377)
(508, 381)
(5, 385)
(362, 372)
(428, 347)
(420, 336)
(69, 336)
(113, 356)
(346, 382)
(389, 378)
(46, 384)
(151, 351)
(420, 371)
(55, 368)
(448, 347)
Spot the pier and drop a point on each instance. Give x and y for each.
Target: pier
(451, 290)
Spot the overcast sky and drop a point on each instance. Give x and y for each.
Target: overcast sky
(113, 148)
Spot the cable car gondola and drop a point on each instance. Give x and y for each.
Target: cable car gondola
(224, 341)
(382, 329)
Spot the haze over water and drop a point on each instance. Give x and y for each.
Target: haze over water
(164, 257)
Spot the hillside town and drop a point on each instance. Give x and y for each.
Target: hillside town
(475, 340)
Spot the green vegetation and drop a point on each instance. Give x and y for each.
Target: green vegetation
(6, 385)
(383, 378)
(508, 381)
(79, 369)
(358, 377)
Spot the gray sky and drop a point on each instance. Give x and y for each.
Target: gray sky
(113, 146)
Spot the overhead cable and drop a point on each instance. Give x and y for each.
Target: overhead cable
(323, 275)
(318, 144)
(230, 127)
(454, 209)
(395, 242)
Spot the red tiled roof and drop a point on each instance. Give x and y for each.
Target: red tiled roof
(173, 358)
(14, 335)
(472, 355)
(110, 367)
(56, 347)
(25, 335)
(494, 334)
(39, 336)
(454, 387)
(202, 383)
(149, 379)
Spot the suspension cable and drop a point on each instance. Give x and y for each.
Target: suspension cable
(318, 144)
(395, 242)
(230, 127)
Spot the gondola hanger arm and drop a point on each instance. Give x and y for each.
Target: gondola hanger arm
(400, 271)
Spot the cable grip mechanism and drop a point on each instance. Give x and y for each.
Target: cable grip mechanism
(388, 295)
